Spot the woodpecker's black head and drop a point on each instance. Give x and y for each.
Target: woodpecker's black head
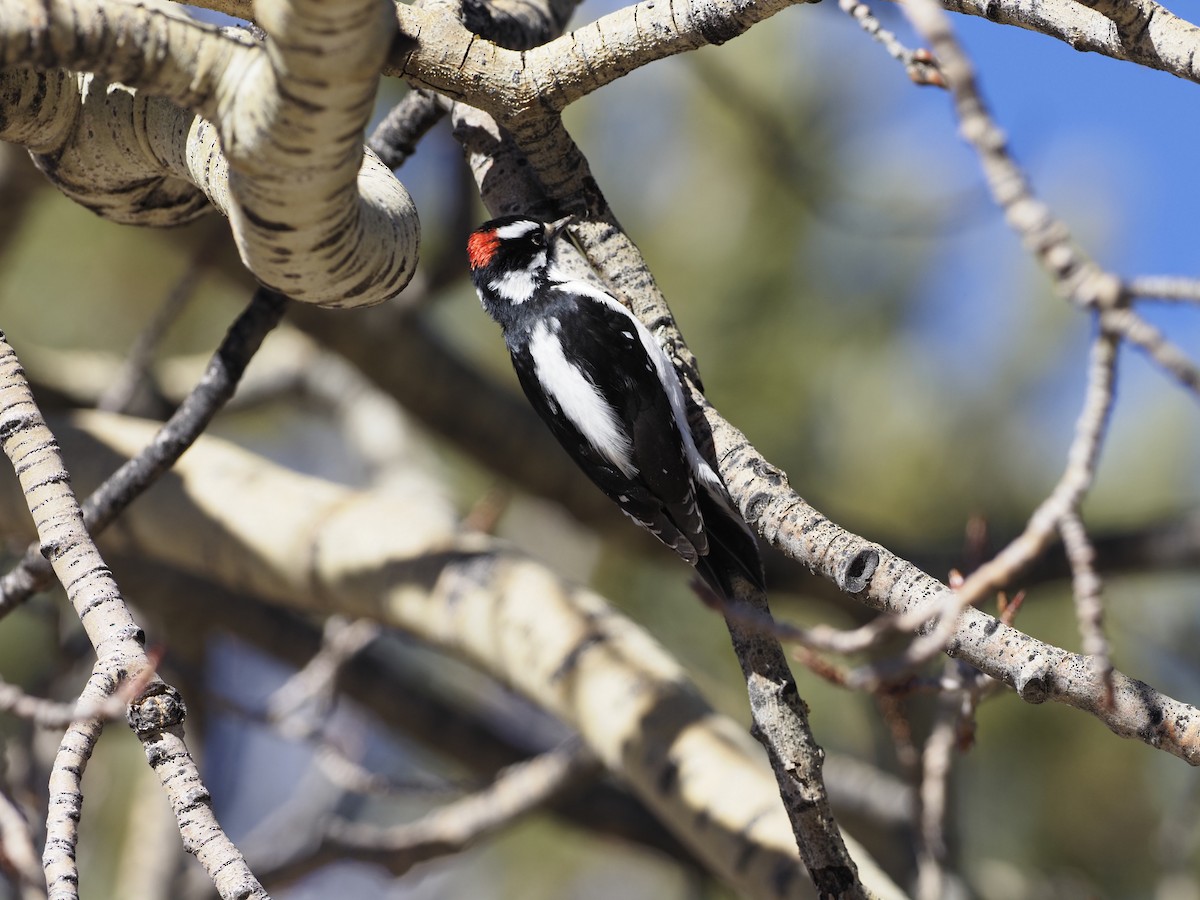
(509, 259)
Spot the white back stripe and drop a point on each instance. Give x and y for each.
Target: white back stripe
(663, 368)
(578, 399)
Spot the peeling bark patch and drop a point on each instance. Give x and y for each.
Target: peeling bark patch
(764, 470)
(757, 505)
(716, 26)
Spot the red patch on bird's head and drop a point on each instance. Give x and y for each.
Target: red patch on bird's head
(481, 248)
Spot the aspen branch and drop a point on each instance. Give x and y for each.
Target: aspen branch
(1144, 32)
(1165, 287)
(919, 64)
(513, 85)
(157, 712)
(936, 762)
(66, 800)
(312, 215)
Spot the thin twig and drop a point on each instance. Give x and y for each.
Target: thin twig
(936, 762)
(16, 845)
(1046, 236)
(118, 642)
(920, 64)
(1164, 287)
(1089, 610)
(51, 714)
(815, 637)
(486, 512)
(517, 791)
(65, 807)
(1154, 343)
(312, 687)
(353, 778)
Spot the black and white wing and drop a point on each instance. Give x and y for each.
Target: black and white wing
(586, 370)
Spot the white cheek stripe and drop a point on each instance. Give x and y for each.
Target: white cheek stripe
(666, 376)
(579, 400)
(516, 287)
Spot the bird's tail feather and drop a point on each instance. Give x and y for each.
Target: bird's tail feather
(732, 548)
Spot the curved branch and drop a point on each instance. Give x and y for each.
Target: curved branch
(450, 59)
(65, 804)
(156, 714)
(312, 215)
(1141, 32)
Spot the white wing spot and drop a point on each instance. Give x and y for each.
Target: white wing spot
(579, 400)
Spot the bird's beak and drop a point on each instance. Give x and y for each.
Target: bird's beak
(554, 228)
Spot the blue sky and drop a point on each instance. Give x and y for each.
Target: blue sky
(1110, 145)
